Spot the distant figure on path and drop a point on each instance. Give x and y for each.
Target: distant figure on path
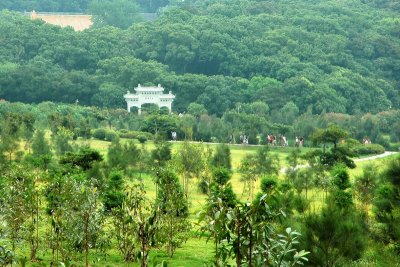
(173, 135)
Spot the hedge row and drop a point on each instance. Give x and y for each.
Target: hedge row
(367, 149)
(110, 135)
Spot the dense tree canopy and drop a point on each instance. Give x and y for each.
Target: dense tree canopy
(323, 56)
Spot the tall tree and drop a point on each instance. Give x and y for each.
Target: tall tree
(117, 13)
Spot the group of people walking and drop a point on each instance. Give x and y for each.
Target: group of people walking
(299, 141)
(274, 141)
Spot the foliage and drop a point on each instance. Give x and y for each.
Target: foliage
(99, 134)
(222, 157)
(386, 203)
(333, 134)
(114, 194)
(190, 163)
(117, 13)
(110, 136)
(61, 141)
(6, 256)
(331, 240)
(312, 67)
(115, 156)
(40, 146)
(144, 220)
(173, 211)
(161, 154)
(84, 158)
(341, 178)
(16, 202)
(368, 149)
(245, 232)
(257, 165)
(366, 184)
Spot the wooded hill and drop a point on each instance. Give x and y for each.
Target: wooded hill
(324, 56)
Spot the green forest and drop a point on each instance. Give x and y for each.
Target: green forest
(287, 116)
(326, 56)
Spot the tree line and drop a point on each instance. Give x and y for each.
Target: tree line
(253, 120)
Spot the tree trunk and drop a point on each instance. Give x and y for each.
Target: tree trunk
(238, 250)
(216, 253)
(35, 222)
(144, 254)
(171, 252)
(251, 248)
(87, 239)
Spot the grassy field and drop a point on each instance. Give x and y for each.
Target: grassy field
(196, 251)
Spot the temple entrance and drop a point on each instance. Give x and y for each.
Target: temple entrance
(149, 95)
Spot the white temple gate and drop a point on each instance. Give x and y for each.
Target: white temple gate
(149, 95)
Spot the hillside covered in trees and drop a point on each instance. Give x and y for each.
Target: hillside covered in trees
(324, 56)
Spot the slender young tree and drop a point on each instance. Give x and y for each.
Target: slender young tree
(257, 165)
(41, 149)
(173, 211)
(222, 157)
(145, 219)
(123, 228)
(16, 211)
(89, 217)
(114, 194)
(190, 163)
(387, 202)
(61, 141)
(330, 239)
(215, 214)
(115, 155)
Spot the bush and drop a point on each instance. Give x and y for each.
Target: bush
(142, 139)
(381, 140)
(111, 136)
(268, 183)
(394, 147)
(367, 149)
(99, 134)
(134, 134)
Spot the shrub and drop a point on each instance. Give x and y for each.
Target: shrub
(367, 149)
(142, 139)
(99, 134)
(394, 147)
(111, 136)
(381, 140)
(268, 184)
(134, 134)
